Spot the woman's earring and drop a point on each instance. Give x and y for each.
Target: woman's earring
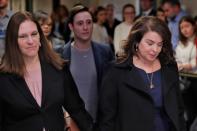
(136, 47)
(40, 44)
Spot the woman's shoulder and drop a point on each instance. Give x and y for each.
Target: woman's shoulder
(116, 68)
(119, 26)
(4, 76)
(171, 66)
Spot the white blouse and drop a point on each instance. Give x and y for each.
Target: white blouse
(186, 54)
(121, 33)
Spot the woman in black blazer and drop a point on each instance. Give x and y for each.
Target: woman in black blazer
(141, 90)
(36, 82)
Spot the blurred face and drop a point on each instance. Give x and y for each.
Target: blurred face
(161, 15)
(46, 26)
(129, 14)
(187, 29)
(110, 12)
(168, 10)
(150, 46)
(3, 4)
(145, 4)
(82, 26)
(101, 16)
(28, 39)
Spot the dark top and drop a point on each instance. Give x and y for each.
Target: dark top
(161, 121)
(19, 110)
(110, 30)
(126, 103)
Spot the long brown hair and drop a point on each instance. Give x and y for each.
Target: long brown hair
(142, 26)
(12, 60)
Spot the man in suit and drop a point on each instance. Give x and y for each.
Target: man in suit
(88, 60)
(147, 9)
(174, 13)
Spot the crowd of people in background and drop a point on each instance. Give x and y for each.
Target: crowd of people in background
(101, 56)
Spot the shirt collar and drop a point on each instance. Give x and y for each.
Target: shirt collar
(146, 13)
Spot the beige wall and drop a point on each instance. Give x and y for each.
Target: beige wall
(190, 6)
(17, 5)
(45, 5)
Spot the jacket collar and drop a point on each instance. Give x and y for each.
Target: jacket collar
(20, 83)
(132, 78)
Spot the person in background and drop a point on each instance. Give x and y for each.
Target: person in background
(174, 13)
(47, 26)
(111, 23)
(161, 15)
(36, 82)
(88, 61)
(5, 15)
(122, 30)
(147, 8)
(186, 59)
(143, 81)
(99, 34)
(60, 19)
(92, 9)
(186, 48)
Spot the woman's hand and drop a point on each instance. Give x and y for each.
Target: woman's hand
(70, 124)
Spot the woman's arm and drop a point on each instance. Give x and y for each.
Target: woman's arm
(108, 103)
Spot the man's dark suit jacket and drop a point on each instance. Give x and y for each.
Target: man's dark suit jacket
(19, 110)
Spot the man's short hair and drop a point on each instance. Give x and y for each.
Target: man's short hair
(75, 10)
(172, 2)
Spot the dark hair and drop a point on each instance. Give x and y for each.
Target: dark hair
(98, 9)
(171, 2)
(127, 6)
(62, 8)
(110, 5)
(142, 26)
(12, 61)
(190, 20)
(159, 9)
(43, 17)
(75, 10)
(195, 18)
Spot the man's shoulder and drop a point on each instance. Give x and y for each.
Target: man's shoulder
(100, 47)
(103, 50)
(66, 50)
(9, 13)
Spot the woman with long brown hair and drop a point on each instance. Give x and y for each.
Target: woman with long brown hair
(36, 82)
(141, 90)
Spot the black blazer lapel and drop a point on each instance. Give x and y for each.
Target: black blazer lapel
(134, 80)
(20, 83)
(48, 74)
(168, 77)
(45, 76)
